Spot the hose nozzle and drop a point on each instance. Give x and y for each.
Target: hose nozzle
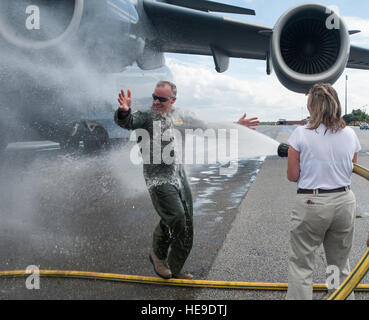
(283, 150)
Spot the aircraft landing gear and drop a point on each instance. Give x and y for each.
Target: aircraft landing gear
(92, 134)
(96, 140)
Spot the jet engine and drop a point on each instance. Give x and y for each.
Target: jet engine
(102, 32)
(310, 44)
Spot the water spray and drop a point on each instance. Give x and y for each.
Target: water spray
(22, 42)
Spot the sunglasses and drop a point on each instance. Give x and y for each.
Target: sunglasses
(161, 99)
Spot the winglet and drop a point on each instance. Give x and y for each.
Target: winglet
(351, 32)
(206, 5)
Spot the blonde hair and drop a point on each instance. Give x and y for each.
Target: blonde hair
(325, 108)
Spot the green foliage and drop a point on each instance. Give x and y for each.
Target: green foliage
(356, 116)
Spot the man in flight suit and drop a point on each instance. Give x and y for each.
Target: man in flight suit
(166, 180)
(167, 183)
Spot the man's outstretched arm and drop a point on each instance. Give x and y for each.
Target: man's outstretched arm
(249, 123)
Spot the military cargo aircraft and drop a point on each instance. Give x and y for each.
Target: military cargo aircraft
(62, 62)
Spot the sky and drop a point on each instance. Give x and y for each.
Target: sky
(245, 87)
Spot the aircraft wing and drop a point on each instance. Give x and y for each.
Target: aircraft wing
(191, 31)
(206, 5)
(187, 30)
(359, 58)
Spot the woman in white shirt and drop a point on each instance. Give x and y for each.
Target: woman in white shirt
(320, 160)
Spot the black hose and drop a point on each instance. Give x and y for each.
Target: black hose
(283, 150)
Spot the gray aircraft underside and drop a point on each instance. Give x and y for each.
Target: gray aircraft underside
(63, 62)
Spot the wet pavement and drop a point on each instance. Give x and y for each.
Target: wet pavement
(256, 247)
(93, 213)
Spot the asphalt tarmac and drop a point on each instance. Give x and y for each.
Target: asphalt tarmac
(256, 247)
(93, 213)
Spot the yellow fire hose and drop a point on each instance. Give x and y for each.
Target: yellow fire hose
(353, 279)
(171, 282)
(361, 171)
(349, 285)
(362, 267)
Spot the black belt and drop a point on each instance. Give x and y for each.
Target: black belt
(317, 191)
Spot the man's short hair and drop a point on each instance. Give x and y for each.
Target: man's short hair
(171, 84)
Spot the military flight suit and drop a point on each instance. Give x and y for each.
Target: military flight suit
(167, 184)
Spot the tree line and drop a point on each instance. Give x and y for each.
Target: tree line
(356, 116)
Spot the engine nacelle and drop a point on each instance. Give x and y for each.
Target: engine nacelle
(101, 32)
(310, 44)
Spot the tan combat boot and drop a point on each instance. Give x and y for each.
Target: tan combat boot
(160, 266)
(183, 275)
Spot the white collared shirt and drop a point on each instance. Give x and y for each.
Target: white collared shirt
(325, 158)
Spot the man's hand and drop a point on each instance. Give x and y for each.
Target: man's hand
(249, 123)
(125, 102)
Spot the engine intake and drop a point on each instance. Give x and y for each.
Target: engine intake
(310, 44)
(100, 33)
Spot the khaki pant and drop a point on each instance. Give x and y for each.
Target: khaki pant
(326, 219)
